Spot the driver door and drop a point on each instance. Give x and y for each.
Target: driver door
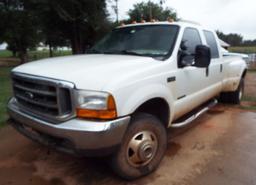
(190, 80)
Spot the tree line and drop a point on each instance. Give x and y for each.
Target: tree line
(75, 23)
(235, 39)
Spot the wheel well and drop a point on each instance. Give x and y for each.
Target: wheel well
(244, 74)
(157, 107)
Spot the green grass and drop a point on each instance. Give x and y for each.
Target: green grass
(36, 55)
(253, 108)
(5, 93)
(247, 50)
(252, 70)
(249, 98)
(5, 54)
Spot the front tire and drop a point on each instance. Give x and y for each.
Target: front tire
(142, 149)
(233, 97)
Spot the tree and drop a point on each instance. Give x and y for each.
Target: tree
(233, 39)
(52, 34)
(80, 21)
(19, 27)
(249, 42)
(116, 10)
(25, 23)
(149, 10)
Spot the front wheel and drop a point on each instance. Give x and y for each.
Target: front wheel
(233, 97)
(142, 149)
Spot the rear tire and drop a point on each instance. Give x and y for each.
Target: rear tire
(142, 149)
(233, 97)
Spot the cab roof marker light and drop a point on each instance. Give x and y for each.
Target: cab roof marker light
(170, 20)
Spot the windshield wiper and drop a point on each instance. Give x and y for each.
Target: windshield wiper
(94, 51)
(123, 52)
(140, 54)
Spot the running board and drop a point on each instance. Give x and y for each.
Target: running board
(195, 116)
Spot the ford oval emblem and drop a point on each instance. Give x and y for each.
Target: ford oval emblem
(29, 95)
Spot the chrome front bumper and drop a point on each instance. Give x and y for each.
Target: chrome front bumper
(82, 135)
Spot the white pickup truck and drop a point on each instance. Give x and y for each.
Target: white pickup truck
(120, 98)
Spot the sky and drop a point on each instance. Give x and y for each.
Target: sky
(228, 16)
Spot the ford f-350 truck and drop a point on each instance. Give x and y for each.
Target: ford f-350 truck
(120, 98)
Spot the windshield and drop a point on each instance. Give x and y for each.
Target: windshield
(151, 40)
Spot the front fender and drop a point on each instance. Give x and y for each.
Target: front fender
(142, 95)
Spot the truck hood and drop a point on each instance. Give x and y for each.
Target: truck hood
(90, 72)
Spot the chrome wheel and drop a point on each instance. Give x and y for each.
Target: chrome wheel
(142, 148)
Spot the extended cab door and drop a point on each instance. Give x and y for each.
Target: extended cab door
(215, 73)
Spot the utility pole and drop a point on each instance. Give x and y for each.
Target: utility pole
(150, 11)
(116, 10)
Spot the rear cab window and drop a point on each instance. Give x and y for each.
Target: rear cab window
(212, 43)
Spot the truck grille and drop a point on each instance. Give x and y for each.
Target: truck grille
(47, 98)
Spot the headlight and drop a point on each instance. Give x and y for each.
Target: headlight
(98, 105)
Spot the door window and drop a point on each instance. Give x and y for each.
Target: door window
(190, 40)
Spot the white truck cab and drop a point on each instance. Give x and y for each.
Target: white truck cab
(120, 98)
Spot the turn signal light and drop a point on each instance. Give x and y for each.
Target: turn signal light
(96, 114)
(108, 114)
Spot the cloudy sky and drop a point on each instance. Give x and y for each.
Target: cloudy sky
(229, 16)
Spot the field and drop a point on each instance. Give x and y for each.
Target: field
(35, 55)
(247, 50)
(5, 54)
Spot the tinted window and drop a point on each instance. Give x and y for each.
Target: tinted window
(190, 40)
(211, 41)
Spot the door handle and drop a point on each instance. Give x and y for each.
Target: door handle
(207, 72)
(221, 68)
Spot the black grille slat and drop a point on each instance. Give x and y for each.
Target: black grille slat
(32, 84)
(35, 102)
(42, 97)
(46, 93)
(51, 112)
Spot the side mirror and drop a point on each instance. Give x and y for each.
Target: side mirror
(202, 56)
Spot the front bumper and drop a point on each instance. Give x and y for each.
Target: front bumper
(74, 136)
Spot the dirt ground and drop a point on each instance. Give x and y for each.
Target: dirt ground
(9, 62)
(218, 148)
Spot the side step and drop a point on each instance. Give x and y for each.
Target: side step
(195, 115)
